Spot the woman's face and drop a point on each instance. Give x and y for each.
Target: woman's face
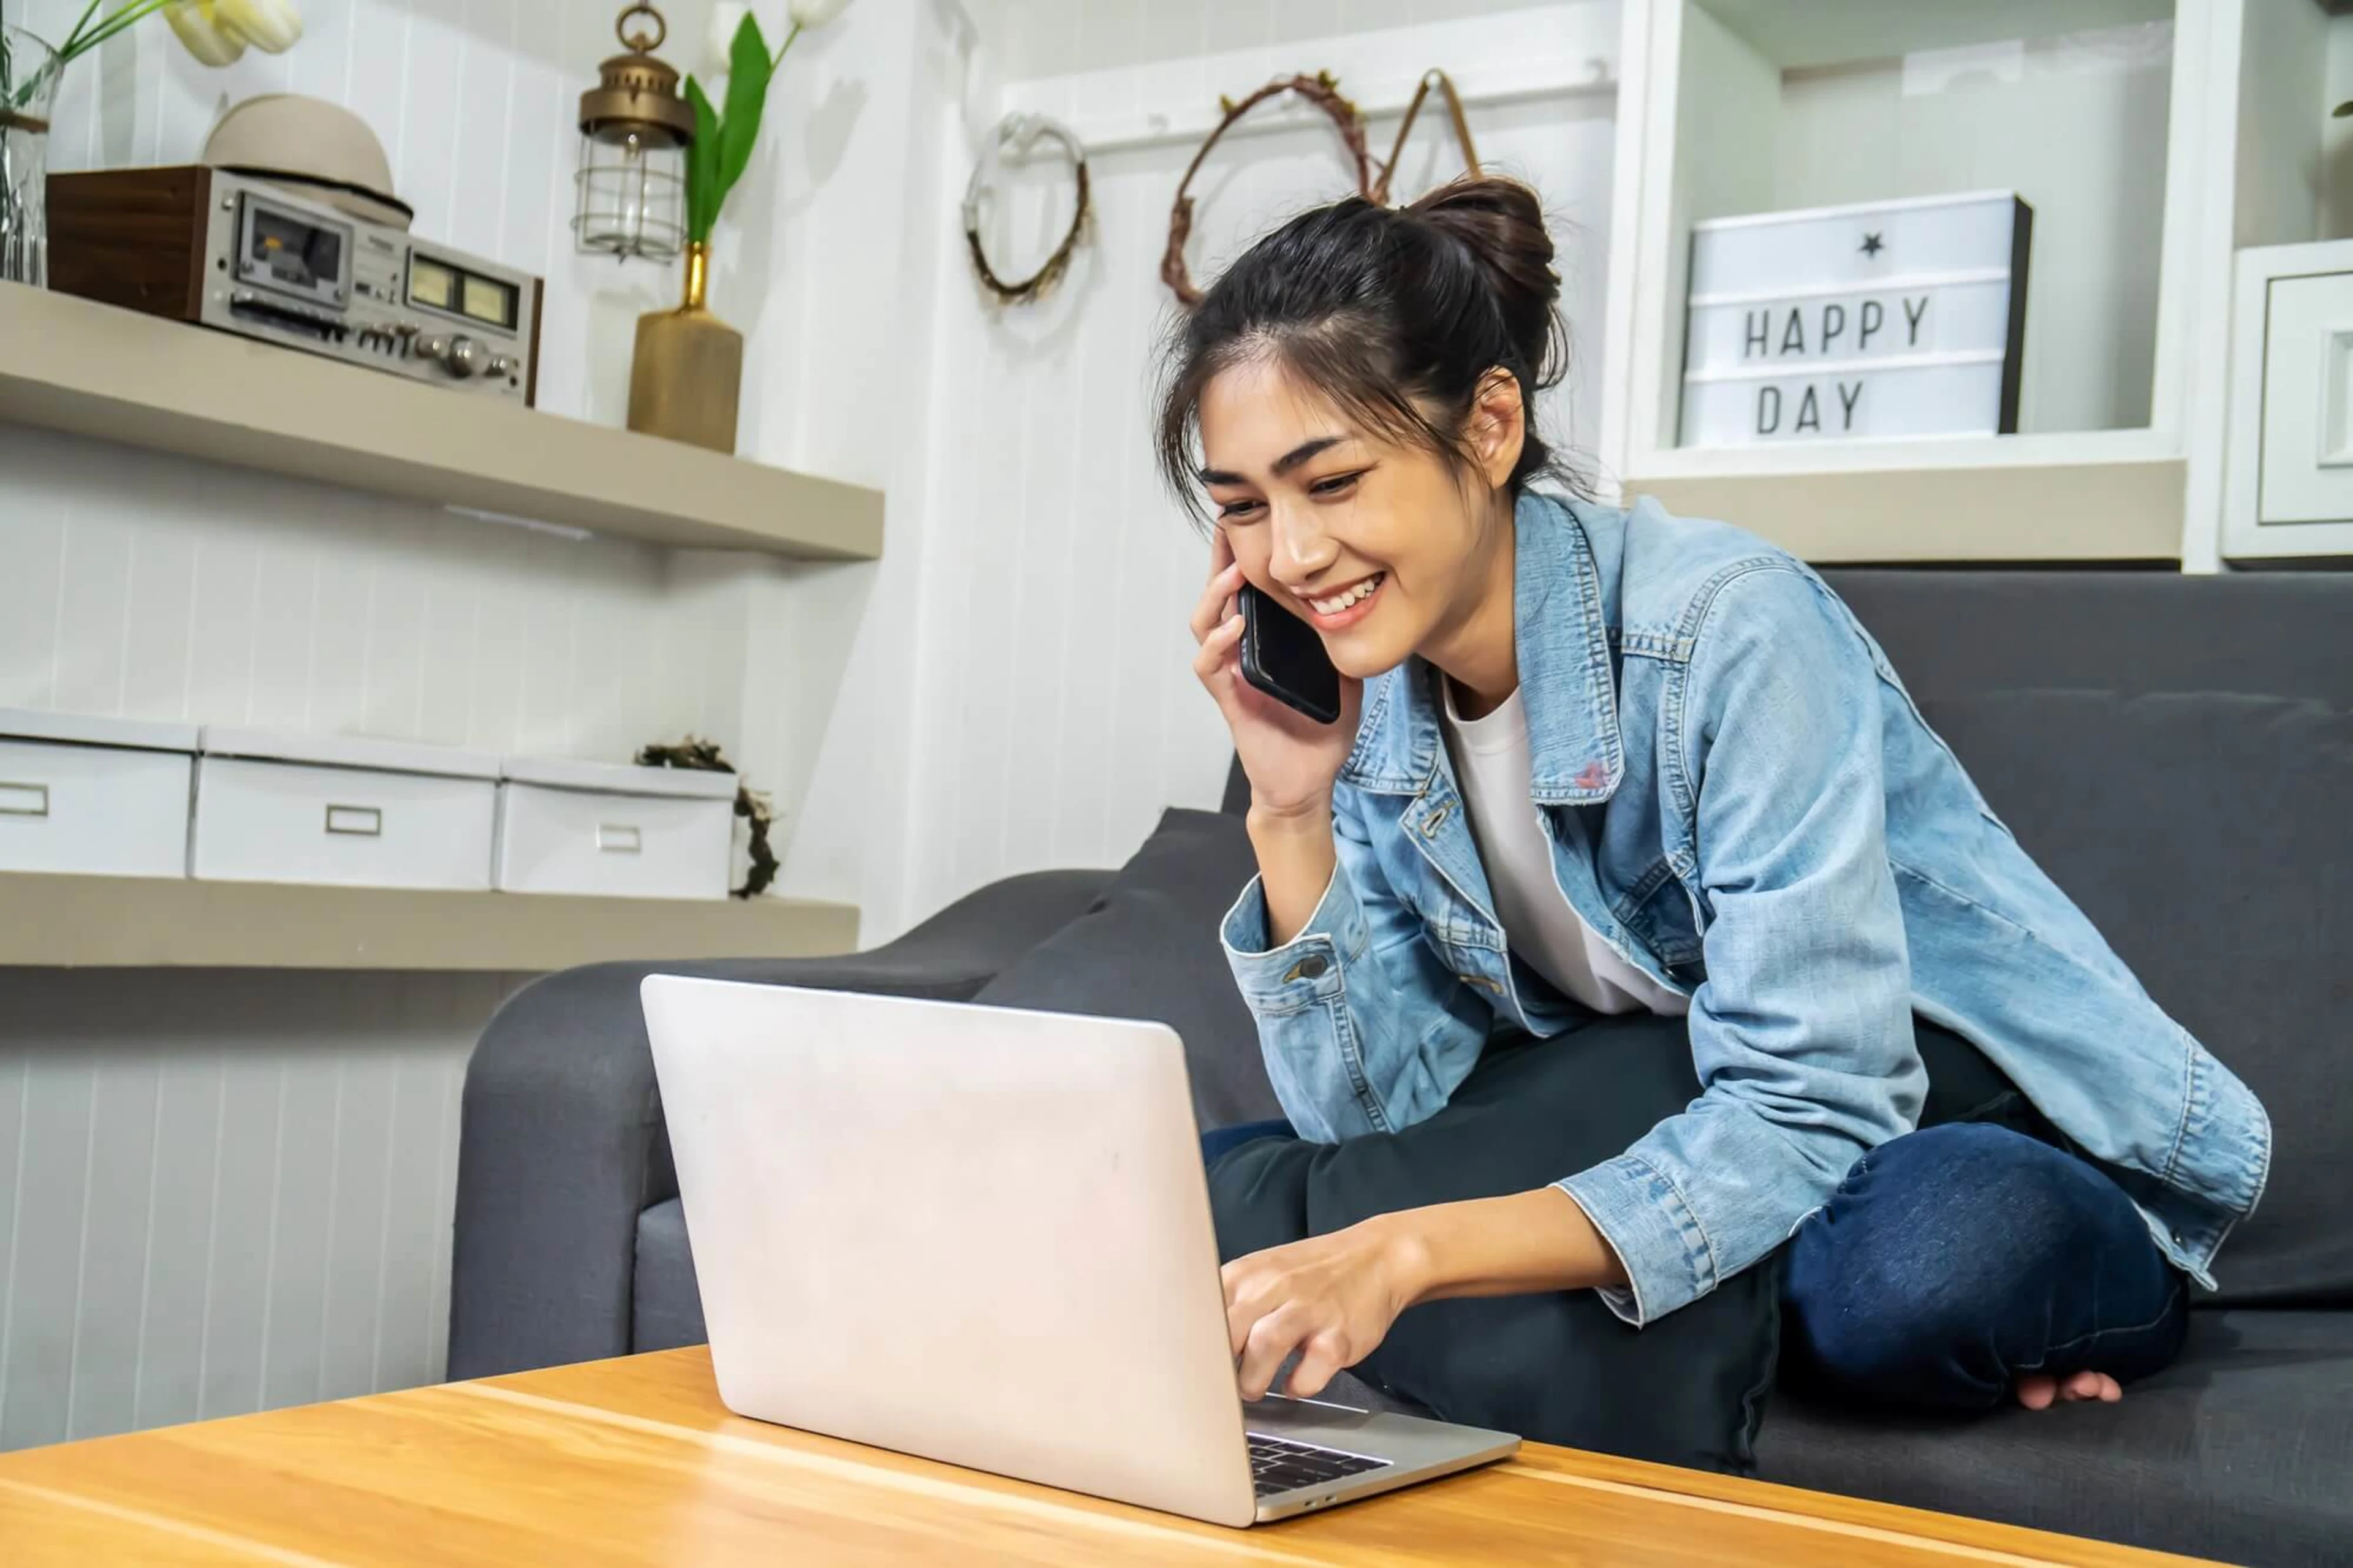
(1380, 547)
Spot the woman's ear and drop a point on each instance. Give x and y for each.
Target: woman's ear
(1498, 425)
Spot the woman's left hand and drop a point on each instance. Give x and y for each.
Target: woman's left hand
(1331, 1298)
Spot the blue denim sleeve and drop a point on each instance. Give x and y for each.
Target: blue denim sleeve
(1801, 1034)
(1363, 1027)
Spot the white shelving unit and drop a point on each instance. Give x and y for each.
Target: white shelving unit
(2294, 187)
(2101, 113)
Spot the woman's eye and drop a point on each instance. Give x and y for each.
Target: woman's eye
(1339, 484)
(1235, 510)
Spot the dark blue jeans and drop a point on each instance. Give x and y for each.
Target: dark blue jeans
(1953, 1259)
(1950, 1261)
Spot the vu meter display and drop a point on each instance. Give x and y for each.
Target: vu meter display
(437, 286)
(488, 299)
(430, 283)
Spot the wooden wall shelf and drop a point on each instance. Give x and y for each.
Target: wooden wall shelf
(116, 923)
(88, 369)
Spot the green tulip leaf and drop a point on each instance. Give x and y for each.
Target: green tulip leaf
(748, 72)
(702, 192)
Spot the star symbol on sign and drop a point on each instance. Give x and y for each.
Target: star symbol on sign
(1872, 243)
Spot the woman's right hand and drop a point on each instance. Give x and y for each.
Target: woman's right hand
(1291, 759)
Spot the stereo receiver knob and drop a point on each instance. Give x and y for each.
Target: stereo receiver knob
(460, 355)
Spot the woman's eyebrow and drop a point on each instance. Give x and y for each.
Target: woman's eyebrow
(1304, 451)
(1282, 465)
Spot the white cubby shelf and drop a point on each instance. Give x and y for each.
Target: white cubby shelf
(2103, 114)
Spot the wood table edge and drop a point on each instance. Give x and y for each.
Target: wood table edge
(599, 1391)
(1542, 1461)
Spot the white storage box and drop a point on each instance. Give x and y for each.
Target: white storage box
(1890, 319)
(100, 796)
(629, 832)
(274, 807)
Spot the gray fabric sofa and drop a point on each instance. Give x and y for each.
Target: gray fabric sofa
(2177, 751)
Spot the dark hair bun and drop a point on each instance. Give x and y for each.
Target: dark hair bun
(1398, 316)
(1502, 224)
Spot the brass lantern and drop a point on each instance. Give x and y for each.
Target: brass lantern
(630, 191)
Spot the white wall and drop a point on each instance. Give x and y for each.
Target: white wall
(855, 187)
(1036, 38)
(141, 584)
(217, 1196)
(1057, 713)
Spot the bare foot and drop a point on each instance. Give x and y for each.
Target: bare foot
(2040, 1391)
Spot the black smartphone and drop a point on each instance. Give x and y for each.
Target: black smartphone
(1283, 657)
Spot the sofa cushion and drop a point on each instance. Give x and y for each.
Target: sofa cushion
(1148, 949)
(2238, 1451)
(2207, 835)
(667, 1304)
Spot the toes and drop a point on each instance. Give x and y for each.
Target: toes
(2040, 1391)
(2095, 1385)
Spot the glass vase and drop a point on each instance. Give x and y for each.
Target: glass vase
(29, 69)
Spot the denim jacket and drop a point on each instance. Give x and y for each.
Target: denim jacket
(1745, 804)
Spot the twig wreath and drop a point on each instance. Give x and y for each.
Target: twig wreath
(1445, 84)
(1018, 134)
(753, 806)
(1322, 90)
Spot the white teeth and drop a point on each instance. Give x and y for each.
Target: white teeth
(1333, 606)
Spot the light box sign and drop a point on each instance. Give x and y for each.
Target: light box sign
(1891, 319)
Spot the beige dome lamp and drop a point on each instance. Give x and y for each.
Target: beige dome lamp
(635, 129)
(312, 148)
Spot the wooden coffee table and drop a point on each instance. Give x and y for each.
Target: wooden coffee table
(635, 1461)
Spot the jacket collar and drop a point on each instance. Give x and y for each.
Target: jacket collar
(1561, 636)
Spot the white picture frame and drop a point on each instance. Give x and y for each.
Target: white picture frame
(2273, 335)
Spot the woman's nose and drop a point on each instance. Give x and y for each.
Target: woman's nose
(1301, 551)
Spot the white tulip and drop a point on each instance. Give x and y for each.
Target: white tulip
(273, 26)
(807, 14)
(719, 43)
(200, 32)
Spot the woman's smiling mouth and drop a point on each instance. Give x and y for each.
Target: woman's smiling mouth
(1350, 606)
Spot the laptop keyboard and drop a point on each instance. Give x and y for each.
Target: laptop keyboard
(1278, 1465)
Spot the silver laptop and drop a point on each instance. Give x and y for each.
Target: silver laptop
(983, 1237)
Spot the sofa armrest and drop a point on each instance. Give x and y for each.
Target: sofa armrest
(562, 1143)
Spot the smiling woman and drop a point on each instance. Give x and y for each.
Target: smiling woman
(1594, 761)
(1363, 395)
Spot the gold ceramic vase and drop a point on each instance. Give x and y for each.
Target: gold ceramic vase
(688, 371)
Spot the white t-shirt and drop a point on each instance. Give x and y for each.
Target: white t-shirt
(1491, 763)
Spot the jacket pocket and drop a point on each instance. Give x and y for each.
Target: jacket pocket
(1666, 918)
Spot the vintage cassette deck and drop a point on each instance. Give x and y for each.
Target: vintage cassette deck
(239, 254)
